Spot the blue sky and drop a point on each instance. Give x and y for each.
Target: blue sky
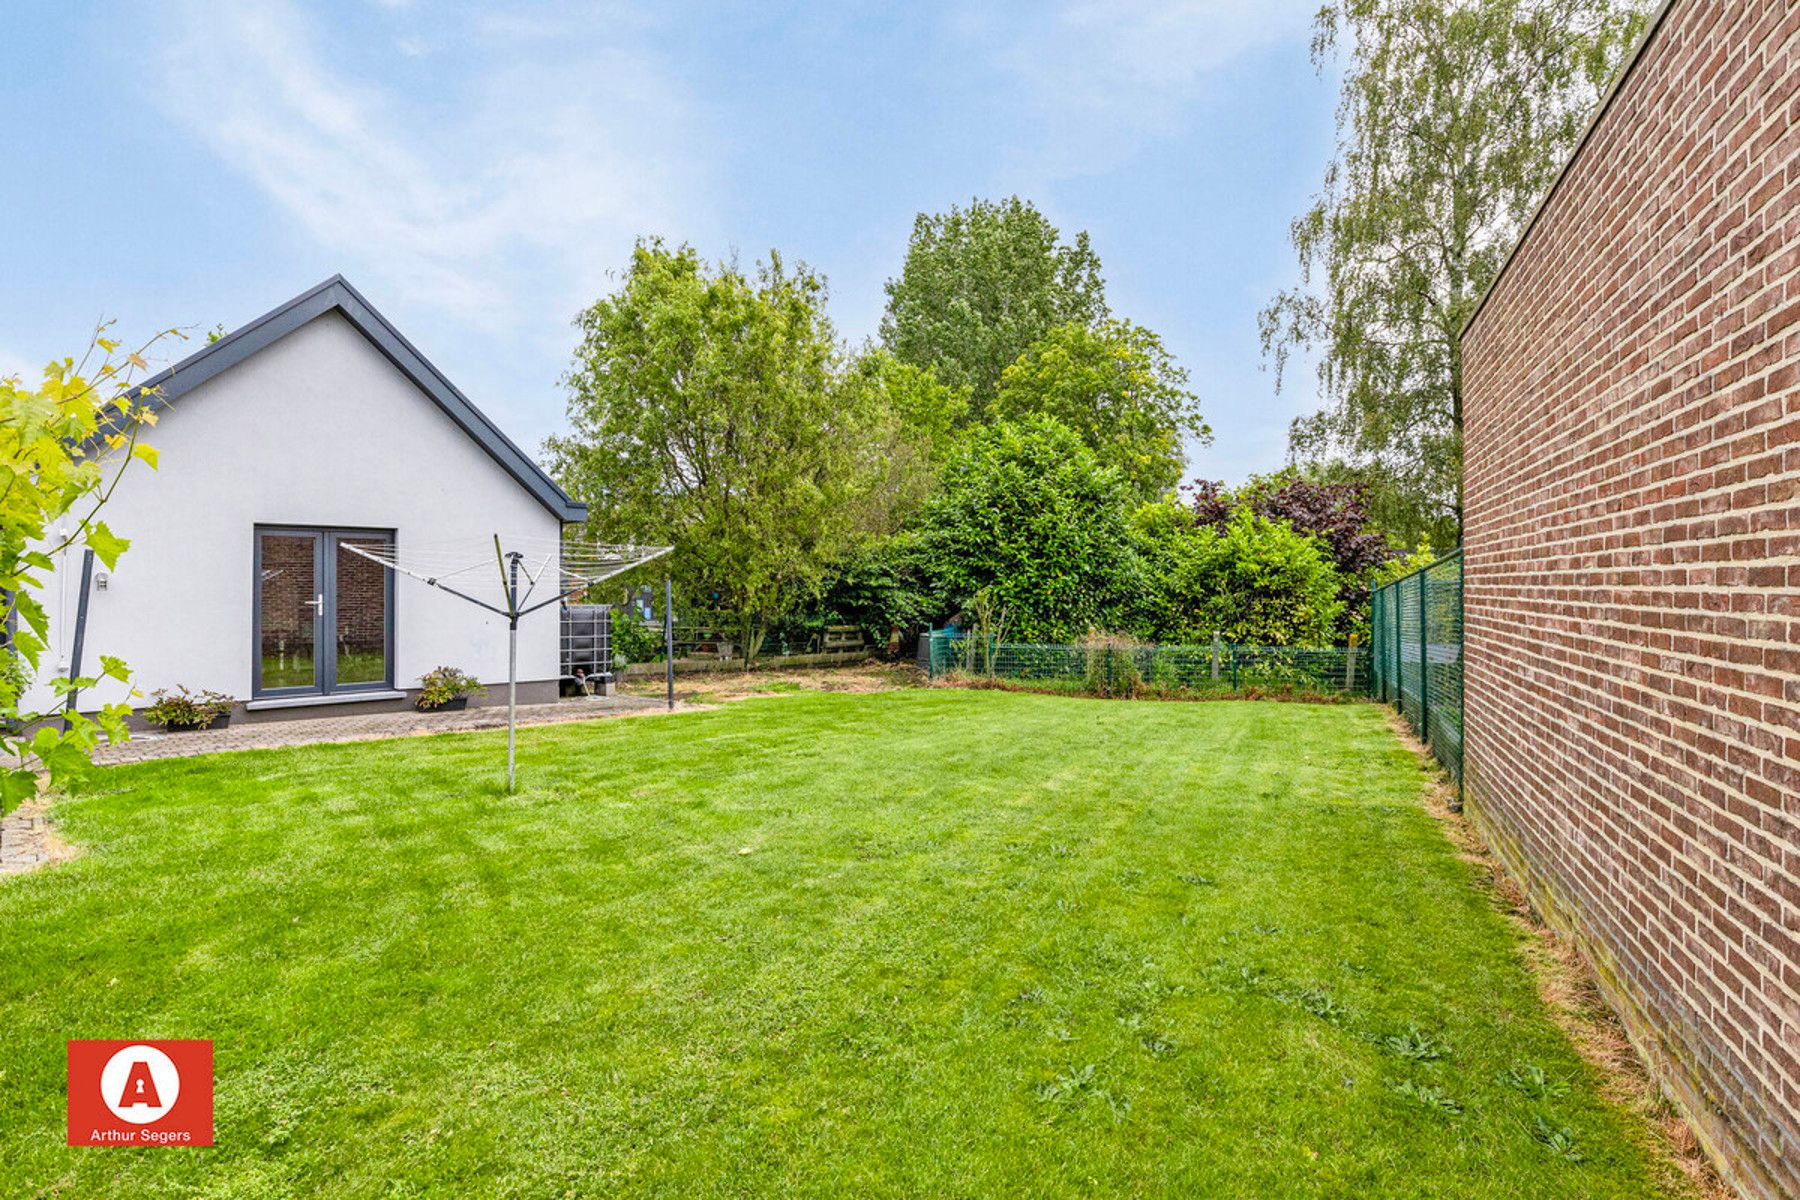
(480, 170)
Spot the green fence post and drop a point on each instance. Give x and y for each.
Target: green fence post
(1374, 641)
(1424, 662)
(1380, 648)
(1462, 671)
(1392, 646)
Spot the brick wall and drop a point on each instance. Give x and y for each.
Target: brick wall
(1632, 558)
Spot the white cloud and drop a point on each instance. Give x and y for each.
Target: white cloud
(503, 186)
(1103, 78)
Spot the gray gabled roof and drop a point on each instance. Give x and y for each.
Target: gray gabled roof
(336, 294)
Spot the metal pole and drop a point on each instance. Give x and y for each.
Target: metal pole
(512, 676)
(81, 616)
(512, 705)
(669, 635)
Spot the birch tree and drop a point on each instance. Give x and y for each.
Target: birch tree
(1455, 117)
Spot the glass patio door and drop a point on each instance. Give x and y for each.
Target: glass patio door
(289, 604)
(324, 615)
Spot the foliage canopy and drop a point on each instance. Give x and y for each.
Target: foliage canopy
(65, 442)
(1116, 386)
(706, 410)
(980, 285)
(1249, 579)
(1455, 117)
(1334, 511)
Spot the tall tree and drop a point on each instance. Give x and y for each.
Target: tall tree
(929, 415)
(706, 410)
(982, 283)
(1114, 384)
(1454, 119)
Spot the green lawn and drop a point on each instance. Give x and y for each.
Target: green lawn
(920, 943)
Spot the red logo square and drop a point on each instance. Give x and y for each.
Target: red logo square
(140, 1093)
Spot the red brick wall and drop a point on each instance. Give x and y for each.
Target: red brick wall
(1632, 557)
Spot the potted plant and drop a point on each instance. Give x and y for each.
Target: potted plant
(182, 711)
(446, 689)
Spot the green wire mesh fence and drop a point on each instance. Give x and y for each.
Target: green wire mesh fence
(1417, 659)
(1112, 670)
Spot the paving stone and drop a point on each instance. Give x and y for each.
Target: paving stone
(24, 840)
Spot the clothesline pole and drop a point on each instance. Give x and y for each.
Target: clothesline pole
(579, 567)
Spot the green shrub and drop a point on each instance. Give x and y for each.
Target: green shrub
(440, 685)
(1026, 511)
(882, 586)
(634, 640)
(1252, 581)
(182, 709)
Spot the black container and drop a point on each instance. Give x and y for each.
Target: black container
(218, 722)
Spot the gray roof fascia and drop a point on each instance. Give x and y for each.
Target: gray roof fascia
(335, 293)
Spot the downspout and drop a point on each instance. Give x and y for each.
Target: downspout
(81, 615)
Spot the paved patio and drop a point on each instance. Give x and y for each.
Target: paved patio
(265, 735)
(26, 840)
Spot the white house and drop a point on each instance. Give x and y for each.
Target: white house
(315, 426)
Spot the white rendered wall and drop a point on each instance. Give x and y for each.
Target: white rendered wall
(318, 429)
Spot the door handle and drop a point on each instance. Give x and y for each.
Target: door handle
(317, 604)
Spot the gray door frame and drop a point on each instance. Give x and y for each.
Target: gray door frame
(325, 539)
